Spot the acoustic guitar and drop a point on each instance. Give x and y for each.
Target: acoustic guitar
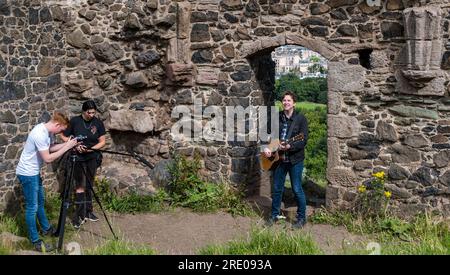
(268, 163)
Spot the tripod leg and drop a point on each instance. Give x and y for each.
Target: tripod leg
(65, 204)
(61, 209)
(103, 211)
(91, 189)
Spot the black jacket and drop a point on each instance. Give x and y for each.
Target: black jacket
(297, 124)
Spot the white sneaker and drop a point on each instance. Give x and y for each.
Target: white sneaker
(281, 217)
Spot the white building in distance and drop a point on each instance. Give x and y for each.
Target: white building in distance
(296, 59)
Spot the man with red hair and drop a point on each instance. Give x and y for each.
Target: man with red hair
(39, 148)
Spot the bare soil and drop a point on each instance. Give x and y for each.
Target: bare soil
(184, 232)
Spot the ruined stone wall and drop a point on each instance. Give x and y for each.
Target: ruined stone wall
(388, 101)
(32, 51)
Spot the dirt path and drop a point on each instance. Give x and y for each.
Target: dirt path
(185, 232)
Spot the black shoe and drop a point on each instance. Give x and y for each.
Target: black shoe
(42, 247)
(50, 232)
(90, 216)
(274, 220)
(270, 222)
(299, 224)
(78, 222)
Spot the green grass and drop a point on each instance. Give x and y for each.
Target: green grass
(423, 235)
(52, 206)
(20, 224)
(120, 247)
(9, 224)
(320, 181)
(5, 250)
(267, 242)
(16, 224)
(308, 106)
(134, 203)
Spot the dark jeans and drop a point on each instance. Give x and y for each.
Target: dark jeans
(33, 192)
(84, 173)
(279, 177)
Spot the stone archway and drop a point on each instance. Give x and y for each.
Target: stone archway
(258, 54)
(325, 49)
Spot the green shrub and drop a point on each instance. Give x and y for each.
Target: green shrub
(131, 203)
(188, 189)
(316, 148)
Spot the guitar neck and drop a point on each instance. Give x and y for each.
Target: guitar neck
(289, 141)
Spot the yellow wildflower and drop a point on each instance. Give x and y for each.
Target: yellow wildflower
(361, 189)
(387, 194)
(379, 175)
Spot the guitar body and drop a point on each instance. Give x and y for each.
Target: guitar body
(267, 163)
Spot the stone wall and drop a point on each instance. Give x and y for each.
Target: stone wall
(32, 52)
(388, 101)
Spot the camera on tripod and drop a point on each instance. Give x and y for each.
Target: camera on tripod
(68, 188)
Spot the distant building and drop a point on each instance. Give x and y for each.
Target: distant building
(296, 59)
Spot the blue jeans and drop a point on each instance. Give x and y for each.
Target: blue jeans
(279, 177)
(33, 192)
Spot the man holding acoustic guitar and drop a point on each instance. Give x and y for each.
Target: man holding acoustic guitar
(286, 155)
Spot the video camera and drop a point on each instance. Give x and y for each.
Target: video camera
(80, 137)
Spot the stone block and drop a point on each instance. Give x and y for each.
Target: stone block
(340, 3)
(414, 112)
(127, 120)
(136, 80)
(333, 156)
(180, 74)
(78, 40)
(404, 154)
(343, 126)
(345, 77)
(341, 176)
(207, 76)
(386, 131)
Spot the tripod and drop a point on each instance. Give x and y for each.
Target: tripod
(66, 201)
